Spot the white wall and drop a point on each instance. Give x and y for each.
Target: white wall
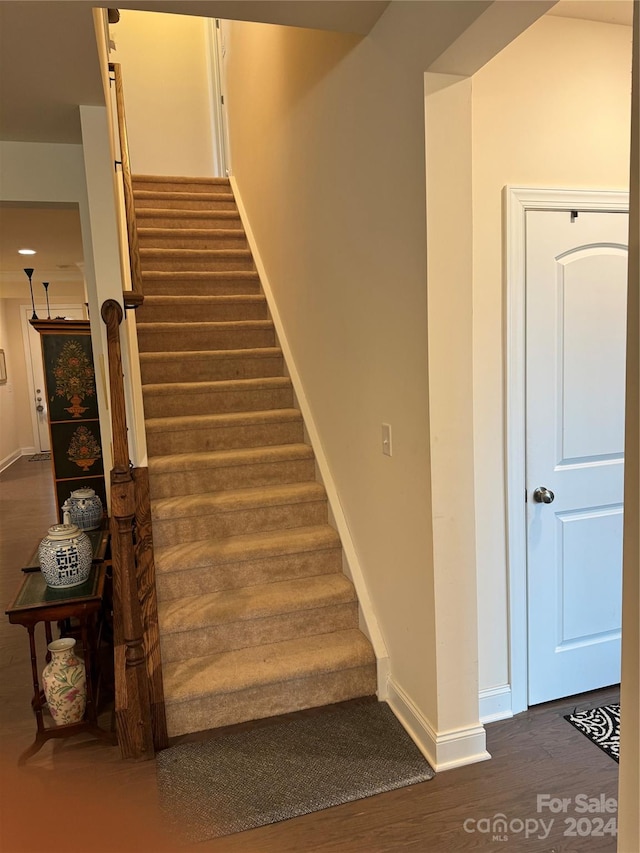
(167, 89)
(352, 297)
(9, 427)
(327, 136)
(551, 110)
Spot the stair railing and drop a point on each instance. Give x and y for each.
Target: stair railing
(134, 297)
(132, 688)
(139, 700)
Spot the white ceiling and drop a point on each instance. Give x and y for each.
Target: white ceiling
(49, 65)
(54, 232)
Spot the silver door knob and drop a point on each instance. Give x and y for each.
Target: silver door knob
(543, 495)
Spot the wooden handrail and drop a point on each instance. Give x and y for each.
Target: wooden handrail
(132, 689)
(134, 297)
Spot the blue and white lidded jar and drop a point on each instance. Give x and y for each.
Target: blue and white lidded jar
(84, 508)
(65, 556)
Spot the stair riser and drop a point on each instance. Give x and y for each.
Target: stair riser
(157, 218)
(210, 369)
(254, 632)
(235, 575)
(190, 203)
(213, 403)
(172, 285)
(205, 480)
(265, 701)
(213, 339)
(252, 520)
(163, 184)
(177, 240)
(202, 312)
(224, 438)
(152, 261)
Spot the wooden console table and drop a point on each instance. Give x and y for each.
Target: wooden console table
(36, 602)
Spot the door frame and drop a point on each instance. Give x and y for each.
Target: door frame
(516, 202)
(219, 129)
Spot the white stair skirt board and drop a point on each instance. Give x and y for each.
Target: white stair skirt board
(443, 750)
(368, 620)
(495, 704)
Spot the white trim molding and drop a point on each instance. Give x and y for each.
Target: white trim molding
(443, 750)
(495, 704)
(516, 202)
(14, 456)
(368, 620)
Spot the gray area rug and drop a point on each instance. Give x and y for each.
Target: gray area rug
(279, 771)
(40, 457)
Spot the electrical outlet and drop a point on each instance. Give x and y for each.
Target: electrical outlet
(386, 440)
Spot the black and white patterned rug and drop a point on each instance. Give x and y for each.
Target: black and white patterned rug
(600, 725)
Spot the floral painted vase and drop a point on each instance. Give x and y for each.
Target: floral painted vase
(65, 556)
(84, 508)
(65, 683)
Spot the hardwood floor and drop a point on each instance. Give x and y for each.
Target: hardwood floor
(77, 794)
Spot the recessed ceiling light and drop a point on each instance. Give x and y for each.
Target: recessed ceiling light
(26, 251)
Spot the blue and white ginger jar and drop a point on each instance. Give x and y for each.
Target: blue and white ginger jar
(65, 556)
(84, 508)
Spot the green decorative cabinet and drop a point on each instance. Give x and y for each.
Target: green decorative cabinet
(74, 427)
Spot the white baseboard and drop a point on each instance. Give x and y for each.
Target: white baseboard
(368, 621)
(443, 750)
(495, 704)
(10, 459)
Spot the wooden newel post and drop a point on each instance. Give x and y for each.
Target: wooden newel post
(132, 701)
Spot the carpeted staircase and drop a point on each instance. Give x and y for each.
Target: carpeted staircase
(256, 616)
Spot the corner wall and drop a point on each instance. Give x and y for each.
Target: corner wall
(563, 123)
(48, 172)
(327, 137)
(327, 149)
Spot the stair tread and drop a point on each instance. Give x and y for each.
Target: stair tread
(158, 231)
(260, 601)
(195, 355)
(236, 500)
(213, 299)
(181, 422)
(211, 552)
(161, 252)
(196, 461)
(251, 667)
(222, 386)
(187, 179)
(181, 213)
(143, 195)
(168, 326)
(201, 275)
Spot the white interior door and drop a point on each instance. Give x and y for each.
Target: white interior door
(576, 282)
(35, 371)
